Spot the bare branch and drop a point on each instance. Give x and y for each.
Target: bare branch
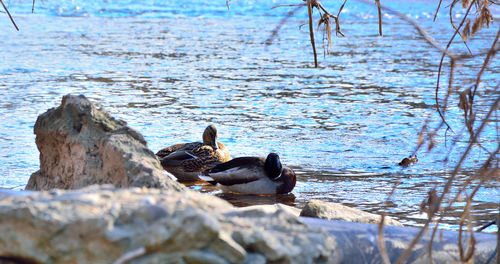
(283, 21)
(379, 17)
(441, 115)
(311, 31)
(437, 10)
(11, 19)
(491, 53)
(380, 240)
(450, 180)
(420, 30)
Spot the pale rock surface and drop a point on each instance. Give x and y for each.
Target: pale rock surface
(80, 144)
(101, 224)
(332, 211)
(273, 208)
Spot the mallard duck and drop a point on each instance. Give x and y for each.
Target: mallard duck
(187, 160)
(252, 175)
(406, 162)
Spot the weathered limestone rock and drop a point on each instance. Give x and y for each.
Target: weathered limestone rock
(101, 224)
(81, 144)
(358, 243)
(333, 211)
(273, 208)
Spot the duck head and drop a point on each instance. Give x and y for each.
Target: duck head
(210, 136)
(273, 166)
(288, 178)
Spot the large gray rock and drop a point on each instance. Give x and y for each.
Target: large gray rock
(101, 224)
(332, 211)
(81, 144)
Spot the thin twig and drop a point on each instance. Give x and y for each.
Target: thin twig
(463, 188)
(468, 181)
(478, 54)
(276, 6)
(450, 85)
(437, 10)
(420, 30)
(454, 27)
(337, 20)
(11, 19)
(491, 53)
(340, 9)
(379, 17)
(449, 182)
(311, 31)
(380, 236)
(470, 252)
(283, 21)
(380, 240)
(441, 115)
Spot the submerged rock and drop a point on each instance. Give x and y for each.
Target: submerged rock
(333, 211)
(80, 144)
(101, 224)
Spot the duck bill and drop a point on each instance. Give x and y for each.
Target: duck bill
(214, 143)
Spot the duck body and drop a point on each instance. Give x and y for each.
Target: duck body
(253, 175)
(406, 162)
(188, 160)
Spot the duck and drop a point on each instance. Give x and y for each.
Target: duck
(188, 160)
(252, 175)
(406, 162)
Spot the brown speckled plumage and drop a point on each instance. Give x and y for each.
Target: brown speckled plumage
(185, 161)
(168, 150)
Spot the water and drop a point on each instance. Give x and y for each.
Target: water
(169, 69)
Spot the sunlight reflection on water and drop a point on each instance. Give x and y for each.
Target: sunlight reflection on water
(342, 127)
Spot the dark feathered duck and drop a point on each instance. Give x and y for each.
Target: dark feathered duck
(187, 160)
(253, 175)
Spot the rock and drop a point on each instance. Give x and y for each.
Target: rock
(80, 144)
(333, 211)
(272, 208)
(101, 224)
(359, 243)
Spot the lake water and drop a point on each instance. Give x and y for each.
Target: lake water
(170, 68)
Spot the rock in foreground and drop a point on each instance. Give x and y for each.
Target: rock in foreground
(333, 211)
(100, 224)
(80, 144)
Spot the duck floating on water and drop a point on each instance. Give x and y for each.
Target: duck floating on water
(252, 175)
(188, 160)
(406, 162)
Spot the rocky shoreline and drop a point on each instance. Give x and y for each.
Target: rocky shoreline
(101, 196)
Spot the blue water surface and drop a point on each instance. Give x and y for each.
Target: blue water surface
(170, 68)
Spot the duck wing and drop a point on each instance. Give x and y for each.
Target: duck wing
(202, 158)
(176, 154)
(178, 147)
(237, 171)
(177, 158)
(238, 163)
